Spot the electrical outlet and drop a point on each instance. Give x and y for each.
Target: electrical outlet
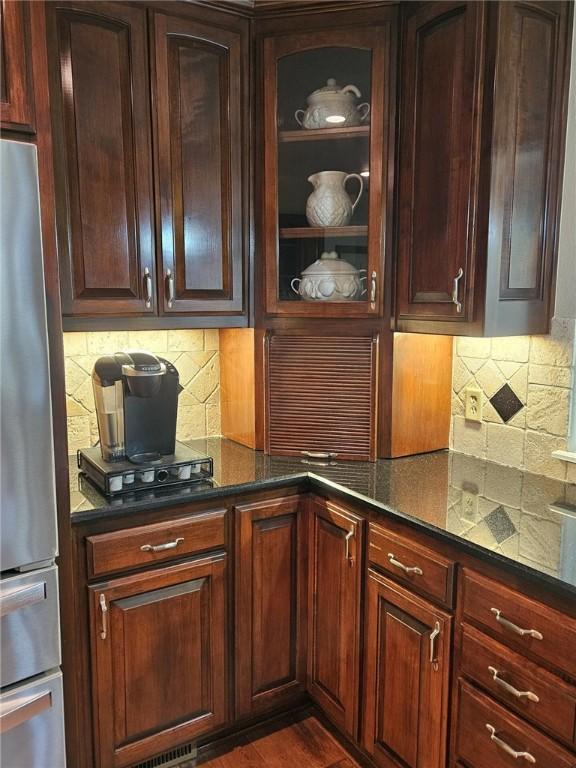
(470, 506)
(473, 404)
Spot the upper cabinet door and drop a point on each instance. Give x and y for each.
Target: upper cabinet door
(198, 84)
(16, 102)
(442, 57)
(328, 116)
(101, 129)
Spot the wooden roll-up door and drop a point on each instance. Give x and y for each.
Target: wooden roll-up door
(321, 396)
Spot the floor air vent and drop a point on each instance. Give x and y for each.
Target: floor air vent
(171, 758)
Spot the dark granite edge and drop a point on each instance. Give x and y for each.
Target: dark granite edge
(292, 480)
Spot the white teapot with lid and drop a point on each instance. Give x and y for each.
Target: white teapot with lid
(330, 278)
(332, 107)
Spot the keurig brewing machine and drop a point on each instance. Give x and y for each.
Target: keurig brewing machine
(136, 396)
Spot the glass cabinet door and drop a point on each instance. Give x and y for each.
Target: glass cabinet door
(326, 168)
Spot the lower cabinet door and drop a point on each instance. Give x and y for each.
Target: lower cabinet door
(158, 659)
(407, 647)
(270, 604)
(335, 543)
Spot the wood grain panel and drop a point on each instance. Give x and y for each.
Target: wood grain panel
(103, 165)
(238, 385)
(321, 395)
(270, 600)
(16, 96)
(198, 140)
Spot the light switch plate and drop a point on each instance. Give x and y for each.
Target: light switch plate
(473, 404)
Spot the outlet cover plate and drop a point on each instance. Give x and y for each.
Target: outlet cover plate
(470, 506)
(473, 404)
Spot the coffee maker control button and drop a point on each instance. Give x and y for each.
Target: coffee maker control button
(129, 478)
(116, 483)
(162, 475)
(184, 472)
(147, 476)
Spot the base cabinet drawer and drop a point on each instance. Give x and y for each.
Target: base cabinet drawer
(488, 736)
(532, 692)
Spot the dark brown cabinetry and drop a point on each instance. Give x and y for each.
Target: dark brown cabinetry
(481, 150)
(16, 97)
(271, 573)
(198, 86)
(407, 666)
(304, 209)
(158, 659)
(102, 139)
(335, 542)
(114, 261)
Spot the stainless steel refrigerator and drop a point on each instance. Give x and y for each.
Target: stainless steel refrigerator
(31, 712)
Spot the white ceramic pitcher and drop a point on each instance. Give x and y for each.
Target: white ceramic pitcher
(330, 205)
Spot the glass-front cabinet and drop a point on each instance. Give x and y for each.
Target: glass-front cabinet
(328, 106)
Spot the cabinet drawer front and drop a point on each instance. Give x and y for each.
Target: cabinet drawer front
(521, 622)
(488, 735)
(421, 568)
(528, 689)
(148, 544)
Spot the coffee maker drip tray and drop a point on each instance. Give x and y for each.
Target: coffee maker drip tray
(183, 467)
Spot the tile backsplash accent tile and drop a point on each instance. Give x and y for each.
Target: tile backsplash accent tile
(526, 383)
(195, 354)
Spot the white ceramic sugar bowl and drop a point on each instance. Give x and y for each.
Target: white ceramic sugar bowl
(330, 278)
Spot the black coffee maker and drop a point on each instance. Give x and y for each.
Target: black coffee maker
(136, 396)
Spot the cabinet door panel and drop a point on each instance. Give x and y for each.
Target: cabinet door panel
(438, 159)
(407, 671)
(16, 98)
(334, 603)
(198, 91)
(103, 159)
(270, 600)
(159, 659)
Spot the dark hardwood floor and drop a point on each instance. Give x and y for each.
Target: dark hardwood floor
(299, 740)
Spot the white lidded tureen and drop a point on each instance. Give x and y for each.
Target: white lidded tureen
(333, 107)
(330, 278)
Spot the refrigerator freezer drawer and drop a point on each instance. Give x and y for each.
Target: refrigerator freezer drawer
(32, 724)
(29, 624)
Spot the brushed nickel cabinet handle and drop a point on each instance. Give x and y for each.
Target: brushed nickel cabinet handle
(433, 635)
(170, 285)
(23, 708)
(515, 628)
(456, 290)
(15, 599)
(406, 568)
(104, 616)
(347, 538)
(507, 748)
(148, 288)
(373, 288)
(162, 547)
(319, 454)
(510, 688)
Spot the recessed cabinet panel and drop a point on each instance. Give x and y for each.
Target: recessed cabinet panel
(104, 180)
(16, 96)
(438, 154)
(198, 90)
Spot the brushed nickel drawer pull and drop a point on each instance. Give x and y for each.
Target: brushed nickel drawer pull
(510, 688)
(22, 597)
(508, 749)
(347, 545)
(170, 284)
(147, 288)
(104, 613)
(22, 709)
(433, 635)
(406, 568)
(515, 628)
(162, 547)
(373, 288)
(455, 290)
(319, 454)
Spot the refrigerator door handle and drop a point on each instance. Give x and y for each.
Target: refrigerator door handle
(20, 710)
(15, 599)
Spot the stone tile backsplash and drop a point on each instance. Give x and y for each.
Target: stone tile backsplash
(526, 385)
(195, 354)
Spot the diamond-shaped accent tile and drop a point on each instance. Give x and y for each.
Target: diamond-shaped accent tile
(506, 403)
(500, 524)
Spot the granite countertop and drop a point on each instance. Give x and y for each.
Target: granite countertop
(505, 514)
